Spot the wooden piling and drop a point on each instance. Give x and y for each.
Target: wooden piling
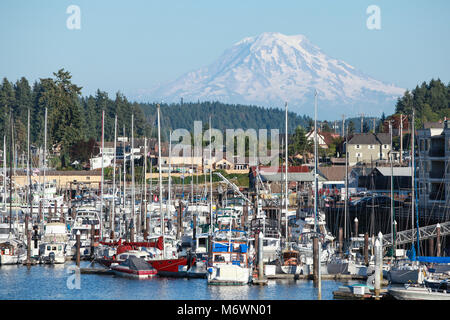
(366, 249)
(29, 247)
(260, 256)
(40, 212)
(356, 226)
(78, 249)
(316, 260)
(431, 247)
(194, 230)
(92, 240)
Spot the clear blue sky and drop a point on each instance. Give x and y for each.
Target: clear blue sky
(129, 45)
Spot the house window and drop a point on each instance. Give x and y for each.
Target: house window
(371, 146)
(385, 146)
(422, 145)
(359, 155)
(358, 146)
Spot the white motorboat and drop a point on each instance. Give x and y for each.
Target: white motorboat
(230, 265)
(418, 292)
(52, 252)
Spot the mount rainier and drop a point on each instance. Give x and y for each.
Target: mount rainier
(272, 68)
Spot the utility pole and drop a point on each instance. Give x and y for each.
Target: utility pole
(343, 125)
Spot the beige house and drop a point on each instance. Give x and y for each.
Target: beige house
(368, 147)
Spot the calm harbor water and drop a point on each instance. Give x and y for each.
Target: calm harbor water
(51, 282)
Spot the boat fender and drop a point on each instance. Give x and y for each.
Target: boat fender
(210, 270)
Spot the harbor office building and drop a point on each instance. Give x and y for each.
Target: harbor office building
(433, 169)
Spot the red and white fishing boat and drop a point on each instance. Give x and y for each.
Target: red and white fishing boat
(134, 267)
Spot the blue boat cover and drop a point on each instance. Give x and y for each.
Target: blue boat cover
(220, 247)
(243, 248)
(434, 259)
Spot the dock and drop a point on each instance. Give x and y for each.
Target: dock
(96, 271)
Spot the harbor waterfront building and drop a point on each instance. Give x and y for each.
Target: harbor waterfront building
(433, 168)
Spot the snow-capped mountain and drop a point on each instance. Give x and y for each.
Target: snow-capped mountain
(272, 68)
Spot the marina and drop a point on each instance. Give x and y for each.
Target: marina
(278, 172)
(222, 235)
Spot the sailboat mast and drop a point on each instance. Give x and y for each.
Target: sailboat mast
(4, 172)
(113, 205)
(160, 179)
(124, 171)
(315, 162)
(101, 186)
(169, 177)
(45, 150)
(346, 183)
(10, 171)
(413, 193)
(30, 200)
(133, 194)
(145, 183)
(286, 175)
(392, 191)
(28, 153)
(192, 176)
(412, 179)
(210, 176)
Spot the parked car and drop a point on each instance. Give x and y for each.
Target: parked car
(379, 201)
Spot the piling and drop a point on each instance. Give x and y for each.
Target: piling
(28, 247)
(62, 213)
(28, 233)
(194, 230)
(209, 249)
(131, 231)
(245, 215)
(341, 240)
(431, 247)
(260, 256)
(356, 227)
(316, 260)
(378, 262)
(92, 239)
(35, 236)
(438, 240)
(380, 238)
(40, 212)
(78, 249)
(366, 249)
(138, 225)
(56, 208)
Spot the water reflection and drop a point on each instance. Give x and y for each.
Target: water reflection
(50, 282)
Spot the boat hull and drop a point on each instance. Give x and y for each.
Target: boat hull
(169, 267)
(228, 275)
(141, 274)
(420, 293)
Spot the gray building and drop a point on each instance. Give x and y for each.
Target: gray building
(433, 166)
(365, 148)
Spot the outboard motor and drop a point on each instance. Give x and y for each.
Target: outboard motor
(51, 257)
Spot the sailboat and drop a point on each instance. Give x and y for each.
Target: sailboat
(167, 263)
(408, 271)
